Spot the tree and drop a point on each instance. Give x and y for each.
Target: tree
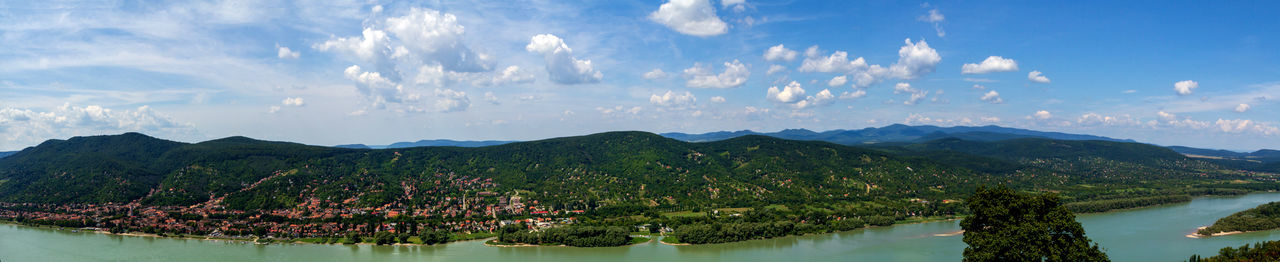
(1011, 226)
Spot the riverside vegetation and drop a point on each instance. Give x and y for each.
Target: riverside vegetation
(1262, 217)
(743, 188)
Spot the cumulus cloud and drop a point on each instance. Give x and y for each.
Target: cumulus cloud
(779, 53)
(1242, 108)
(690, 17)
(372, 85)
(992, 97)
(793, 95)
(561, 65)
(775, 69)
(285, 52)
(837, 62)
(448, 100)
(979, 87)
(655, 74)
(991, 65)
(673, 99)
(1042, 115)
(857, 93)
(1245, 125)
(293, 101)
(425, 46)
(1167, 116)
(699, 76)
(915, 59)
(837, 81)
(26, 127)
(1035, 76)
(1185, 87)
(916, 94)
(436, 36)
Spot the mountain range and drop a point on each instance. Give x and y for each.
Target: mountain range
(600, 169)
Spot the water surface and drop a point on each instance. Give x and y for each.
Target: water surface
(1148, 234)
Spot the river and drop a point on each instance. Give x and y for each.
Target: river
(1147, 234)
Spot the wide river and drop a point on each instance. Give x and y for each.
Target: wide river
(1147, 234)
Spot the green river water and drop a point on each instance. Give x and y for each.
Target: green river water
(1147, 234)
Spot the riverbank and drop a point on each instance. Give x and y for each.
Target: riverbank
(1198, 235)
(495, 243)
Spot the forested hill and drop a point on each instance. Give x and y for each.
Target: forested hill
(628, 168)
(606, 168)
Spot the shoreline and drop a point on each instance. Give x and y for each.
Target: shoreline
(488, 243)
(1197, 234)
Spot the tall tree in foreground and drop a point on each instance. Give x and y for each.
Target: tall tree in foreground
(1011, 226)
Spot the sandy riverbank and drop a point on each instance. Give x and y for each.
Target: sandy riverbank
(1198, 235)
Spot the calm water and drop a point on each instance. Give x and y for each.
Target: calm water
(1150, 234)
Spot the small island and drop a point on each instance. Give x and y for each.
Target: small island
(1263, 217)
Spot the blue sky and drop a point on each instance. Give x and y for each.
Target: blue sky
(332, 72)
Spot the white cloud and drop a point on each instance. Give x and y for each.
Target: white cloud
(24, 127)
(779, 53)
(837, 81)
(423, 37)
(673, 100)
(374, 86)
(992, 97)
(1185, 87)
(273, 109)
(1245, 125)
(1042, 115)
(935, 17)
(293, 101)
(915, 60)
(690, 17)
(1167, 116)
(857, 93)
(916, 94)
(448, 100)
(728, 3)
(775, 69)
(1035, 76)
(491, 98)
(717, 99)
(979, 87)
(699, 76)
(284, 52)
(655, 74)
(432, 35)
(561, 65)
(837, 62)
(991, 65)
(979, 80)
(1130, 91)
(1242, 108)
(793, 95)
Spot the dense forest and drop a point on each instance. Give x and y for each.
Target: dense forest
(574, 236)
(1262, 251)
(1262, 217)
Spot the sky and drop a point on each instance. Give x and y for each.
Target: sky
(1192, 73)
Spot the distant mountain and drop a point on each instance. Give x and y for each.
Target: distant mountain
(4, 154)
(422, 143)
(446, 142)
(896, 133)
(1264, 155)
